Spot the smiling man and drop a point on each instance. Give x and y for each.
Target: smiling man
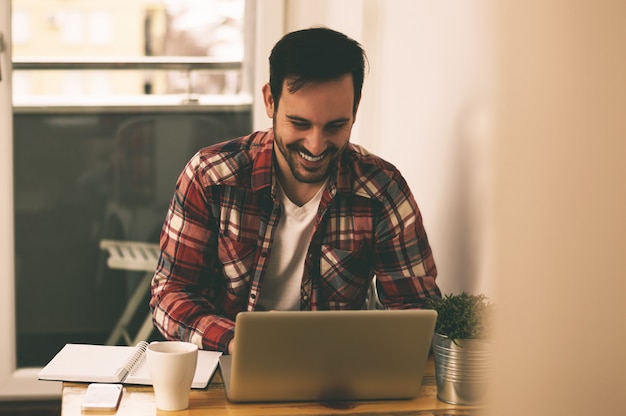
(292, 218)
(311, 129)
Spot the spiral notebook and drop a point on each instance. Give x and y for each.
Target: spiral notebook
(88, 363)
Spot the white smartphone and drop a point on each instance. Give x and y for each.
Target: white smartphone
(102, 397)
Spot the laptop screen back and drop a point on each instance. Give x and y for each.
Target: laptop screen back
(329, 355)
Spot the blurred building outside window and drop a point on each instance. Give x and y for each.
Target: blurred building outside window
(58, 30)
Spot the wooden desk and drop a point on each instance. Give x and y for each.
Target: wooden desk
(139, 401)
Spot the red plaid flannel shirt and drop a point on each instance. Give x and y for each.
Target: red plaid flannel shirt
(217, 239)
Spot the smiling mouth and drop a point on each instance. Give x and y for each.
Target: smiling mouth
(312, 158)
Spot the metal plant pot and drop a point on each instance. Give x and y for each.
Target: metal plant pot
(462, 370)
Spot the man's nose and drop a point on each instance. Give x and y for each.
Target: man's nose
(315, 142)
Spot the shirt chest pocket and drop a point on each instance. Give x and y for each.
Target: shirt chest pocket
(237, 260)
(344, 275)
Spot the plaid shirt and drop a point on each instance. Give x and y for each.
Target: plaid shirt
(218, 233)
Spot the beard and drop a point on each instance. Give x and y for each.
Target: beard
(299, 168)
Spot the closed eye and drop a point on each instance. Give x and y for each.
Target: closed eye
(300, 125)
(304, 124)
(335, 126)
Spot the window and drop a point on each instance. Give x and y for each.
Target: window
(111, 98)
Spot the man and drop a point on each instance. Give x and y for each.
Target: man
(295, 217)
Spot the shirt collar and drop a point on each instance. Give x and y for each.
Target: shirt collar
(263, 162)
(343, 178)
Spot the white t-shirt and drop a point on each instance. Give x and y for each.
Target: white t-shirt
(281, 284)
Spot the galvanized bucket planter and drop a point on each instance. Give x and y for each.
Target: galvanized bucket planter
(462, 370)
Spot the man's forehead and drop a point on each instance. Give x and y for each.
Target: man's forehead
(319, 102)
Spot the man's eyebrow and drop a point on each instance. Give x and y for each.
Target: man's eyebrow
(304, 120)
(298, 119)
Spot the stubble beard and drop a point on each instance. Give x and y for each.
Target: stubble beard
(300, 172)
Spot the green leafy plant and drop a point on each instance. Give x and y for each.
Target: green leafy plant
(462, 316)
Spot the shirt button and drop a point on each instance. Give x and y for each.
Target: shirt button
(305, 298)
(264, 254)
(253, 296)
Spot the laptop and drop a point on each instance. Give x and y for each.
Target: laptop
(328, 355)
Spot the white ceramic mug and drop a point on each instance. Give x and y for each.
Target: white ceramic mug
(172, 367)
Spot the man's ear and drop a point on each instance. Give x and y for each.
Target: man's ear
(268, 99)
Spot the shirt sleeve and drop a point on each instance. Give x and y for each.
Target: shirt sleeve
(185, 290)
(405, 268)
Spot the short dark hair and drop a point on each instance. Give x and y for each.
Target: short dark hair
(315, 54)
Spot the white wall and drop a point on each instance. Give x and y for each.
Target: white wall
(561, 208)
(269, 27)
(426, 107)
(433, 102)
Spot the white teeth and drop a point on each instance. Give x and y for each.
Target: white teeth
(311, 158)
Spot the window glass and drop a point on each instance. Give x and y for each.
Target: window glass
(102, 127)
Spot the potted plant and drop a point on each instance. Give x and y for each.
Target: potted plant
(462, 347)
